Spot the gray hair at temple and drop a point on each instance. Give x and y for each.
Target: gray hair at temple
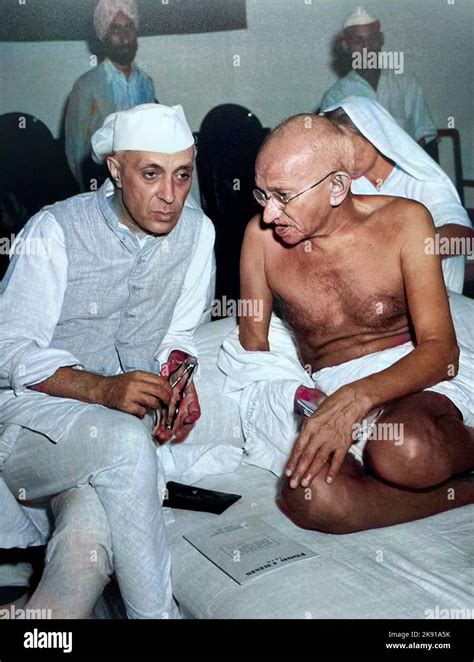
(106, 10)
(330, 143)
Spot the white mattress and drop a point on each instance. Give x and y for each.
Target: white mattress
(396, 572)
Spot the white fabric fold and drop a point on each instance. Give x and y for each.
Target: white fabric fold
(264, 384)
(379, 127)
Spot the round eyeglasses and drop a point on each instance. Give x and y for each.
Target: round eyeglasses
(279, 199)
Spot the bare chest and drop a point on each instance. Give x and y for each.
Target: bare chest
(328, 299)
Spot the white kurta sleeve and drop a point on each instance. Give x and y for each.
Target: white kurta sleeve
(195, 302)
(31, 298)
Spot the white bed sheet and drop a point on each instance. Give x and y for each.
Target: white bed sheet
(396, 572)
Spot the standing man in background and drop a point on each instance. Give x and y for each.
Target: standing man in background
(115, 84)
(400, 93)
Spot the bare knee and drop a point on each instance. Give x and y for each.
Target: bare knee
(415, 459)
(321, 506)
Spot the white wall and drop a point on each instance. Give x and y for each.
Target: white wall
(285, 62)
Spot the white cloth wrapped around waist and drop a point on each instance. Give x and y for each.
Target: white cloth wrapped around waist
(264, 383)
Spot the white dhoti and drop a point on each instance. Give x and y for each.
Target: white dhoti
(264, 384)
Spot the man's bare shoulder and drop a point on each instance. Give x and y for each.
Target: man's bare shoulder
(411, 218)
(255, 226)
(405, 215)
(258, 233)
(374, 203)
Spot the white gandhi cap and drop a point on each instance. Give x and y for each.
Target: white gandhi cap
(360, 17)
(151, 127)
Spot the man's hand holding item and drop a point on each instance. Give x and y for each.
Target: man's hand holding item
(184, 410)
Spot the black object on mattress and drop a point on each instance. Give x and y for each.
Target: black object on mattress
(188, 497)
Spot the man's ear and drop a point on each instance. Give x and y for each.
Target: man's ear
(340, 187)
(344, 45)
(114, 167)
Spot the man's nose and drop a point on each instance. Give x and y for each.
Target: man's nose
(166, 191)
(271, 212)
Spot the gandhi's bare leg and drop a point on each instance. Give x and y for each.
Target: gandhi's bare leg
(409, 478)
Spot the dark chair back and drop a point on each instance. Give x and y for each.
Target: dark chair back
(228, 141)
(33, 172)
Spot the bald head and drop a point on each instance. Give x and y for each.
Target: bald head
(303, 177)
(309, 141)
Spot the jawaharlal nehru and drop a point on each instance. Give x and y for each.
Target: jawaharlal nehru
(87, 333)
